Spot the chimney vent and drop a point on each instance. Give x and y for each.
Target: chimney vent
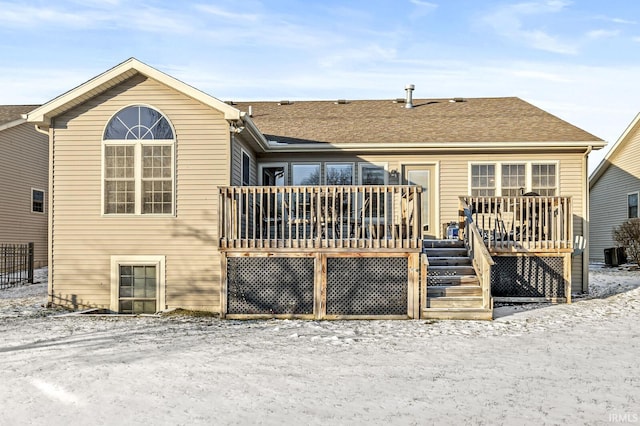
(409, 101)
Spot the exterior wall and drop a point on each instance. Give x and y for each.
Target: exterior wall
(454, 180)
(608, 196)
(83, 239)
(237, 146)
(24, 164)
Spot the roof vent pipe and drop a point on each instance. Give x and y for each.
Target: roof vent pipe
(409, 101)
(250, 111)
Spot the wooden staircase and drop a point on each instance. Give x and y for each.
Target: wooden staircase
(453, 289)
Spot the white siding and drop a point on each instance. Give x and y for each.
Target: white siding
(83, 240)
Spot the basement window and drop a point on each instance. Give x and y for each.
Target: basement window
(137, 284)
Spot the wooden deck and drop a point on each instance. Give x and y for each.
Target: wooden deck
(320, 217)
(356, 252)
(525, 224)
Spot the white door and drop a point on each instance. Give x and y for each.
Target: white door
(424, 176)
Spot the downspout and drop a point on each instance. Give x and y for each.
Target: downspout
(49, 216)
(585, 221)
(39, 130)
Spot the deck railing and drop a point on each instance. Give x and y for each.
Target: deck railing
(385, 216)
(525, 223)
(480, 257)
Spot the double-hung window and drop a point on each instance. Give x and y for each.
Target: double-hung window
(139, 163)
(632, 205)
(37, 201)
(510, 179)
(543, 179)
(483, 180)
(513, 179)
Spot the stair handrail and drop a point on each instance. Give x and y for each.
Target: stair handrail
(480, 256)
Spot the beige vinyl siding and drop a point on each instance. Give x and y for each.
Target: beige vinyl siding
(454, 180)
(609, 196)
(83, 239)
(24, 165)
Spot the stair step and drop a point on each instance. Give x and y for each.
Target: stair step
(457, 290)
(455, 302)
(457, 314)
(442, 243)
(447, 270)
(452, 280)
(449, 261)
(446, 252)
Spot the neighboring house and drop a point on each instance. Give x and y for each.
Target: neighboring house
(166, 197)
(24, 173)
(614, 190)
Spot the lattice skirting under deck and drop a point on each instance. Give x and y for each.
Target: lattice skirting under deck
(528, 276)
(320, 286)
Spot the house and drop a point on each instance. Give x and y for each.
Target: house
(614, 190)
(24, 173)
(166, 197)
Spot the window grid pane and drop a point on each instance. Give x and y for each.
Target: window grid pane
(157, 196)
(157, 182)
(137, 289)
(37, 204)
(483, 180)
(513, 179)
(543, 179)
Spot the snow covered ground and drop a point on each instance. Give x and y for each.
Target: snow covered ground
(537, 364)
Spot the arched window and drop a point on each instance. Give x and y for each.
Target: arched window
(139, 166)
(138, 122)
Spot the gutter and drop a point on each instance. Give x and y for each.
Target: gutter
(13, 123)
(275, 146)
(257, 135)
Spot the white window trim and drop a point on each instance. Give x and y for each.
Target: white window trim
(382, 165)
(436, 190)
(284, 165)
(138, 176)
(138, 166)
(339, 163)
(307, 163)
(138, 260)
(637, 194)
(44, 199)
(528, 175)
(498, 180)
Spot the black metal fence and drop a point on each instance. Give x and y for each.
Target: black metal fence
(16, 264)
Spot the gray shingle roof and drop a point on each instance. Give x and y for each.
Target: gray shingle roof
(431, 120)
(9, 113)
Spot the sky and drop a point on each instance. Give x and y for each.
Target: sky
(578, 60)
